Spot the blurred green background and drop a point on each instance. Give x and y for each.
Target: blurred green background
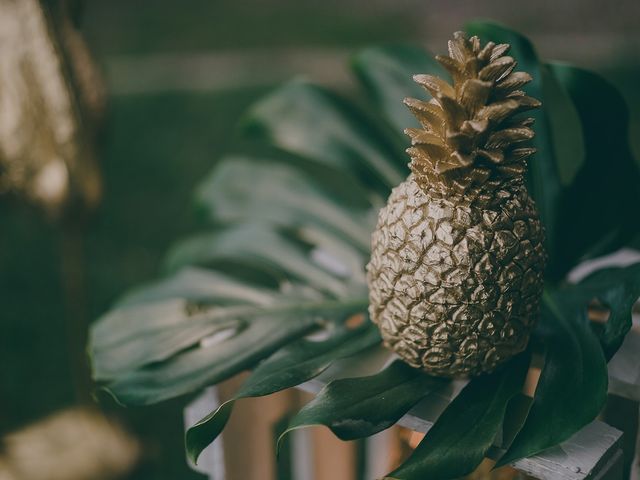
(180, 73)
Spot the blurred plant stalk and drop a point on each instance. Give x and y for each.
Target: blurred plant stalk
(52, 103)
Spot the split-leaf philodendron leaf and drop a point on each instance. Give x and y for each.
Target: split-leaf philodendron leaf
(286, 239)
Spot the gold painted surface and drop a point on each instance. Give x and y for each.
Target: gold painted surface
(456, 270)
(74, 444)
(471, 135)
(51, 104)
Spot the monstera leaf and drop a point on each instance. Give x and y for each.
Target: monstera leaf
(283, 254)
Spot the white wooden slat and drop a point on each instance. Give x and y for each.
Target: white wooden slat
(378, 453)
(211, 460)
(593, 452)
(622, 258)
(624, 367)
(302, 454)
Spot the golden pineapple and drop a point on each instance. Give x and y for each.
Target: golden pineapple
(456, 270)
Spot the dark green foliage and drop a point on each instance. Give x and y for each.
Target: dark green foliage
(359, 407)
(285, 255)
(465, 431)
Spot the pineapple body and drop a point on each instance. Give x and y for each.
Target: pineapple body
(455, 284)
(456, 271)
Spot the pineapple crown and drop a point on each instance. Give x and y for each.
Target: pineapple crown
(470, 133)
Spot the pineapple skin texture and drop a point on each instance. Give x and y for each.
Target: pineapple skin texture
(455, 282)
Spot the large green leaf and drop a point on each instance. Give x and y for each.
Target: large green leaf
(283, 195)
(359, 407)
(207, 365)
(564, 125)
(195, 285)
(573, 383)
(292, 365)
(196, 329)
(310, 121)
(130, 338)
(156, 322)
(257, 245)
(599, 211)
(386, 74)
(253, 334)
(466, 430)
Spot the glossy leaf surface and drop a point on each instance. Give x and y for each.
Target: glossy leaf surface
(465, 431)
(359, 407)
(573, 383)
